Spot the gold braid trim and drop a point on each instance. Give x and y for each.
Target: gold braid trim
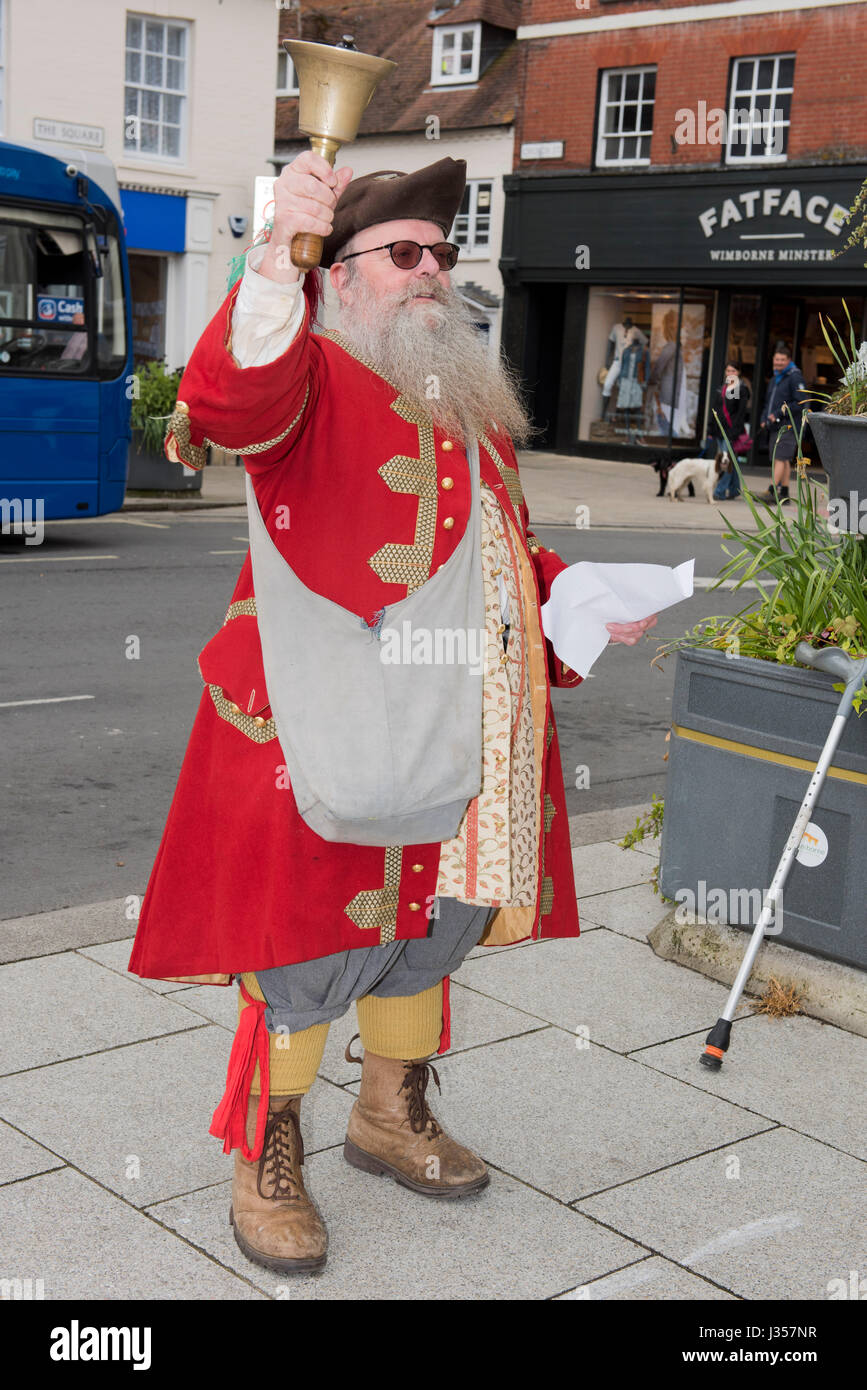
(259, 733)
(195, 455)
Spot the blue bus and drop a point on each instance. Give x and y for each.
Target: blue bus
(65, 334)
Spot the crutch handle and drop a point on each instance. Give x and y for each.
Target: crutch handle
(830, 659)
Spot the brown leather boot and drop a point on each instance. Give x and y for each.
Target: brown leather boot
(276, 1222)
(392, 1132)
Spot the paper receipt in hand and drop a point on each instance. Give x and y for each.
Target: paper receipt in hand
(586, 596)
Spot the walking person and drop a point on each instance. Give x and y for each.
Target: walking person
(732, 409)
(367, 489)
(782, 411)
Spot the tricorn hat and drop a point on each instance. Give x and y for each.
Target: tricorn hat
(432, 194)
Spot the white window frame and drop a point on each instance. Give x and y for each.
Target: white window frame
(455, 32)
(763, 103)
(135, 152)
(290, 82)
(478, 250)
(603, 161)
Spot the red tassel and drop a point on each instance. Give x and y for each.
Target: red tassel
(314, 293)
(446, 1034)
(250, 1045)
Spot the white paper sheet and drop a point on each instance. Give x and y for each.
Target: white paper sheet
(586, 596)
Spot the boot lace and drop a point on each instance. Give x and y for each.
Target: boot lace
(277, 1163)
(415, 1082)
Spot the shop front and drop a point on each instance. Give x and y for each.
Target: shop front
(625, 296)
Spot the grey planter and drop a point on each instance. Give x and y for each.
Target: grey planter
(152, 472)
(842, 444)
(734, 791)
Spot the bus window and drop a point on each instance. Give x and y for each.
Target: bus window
(47, 270)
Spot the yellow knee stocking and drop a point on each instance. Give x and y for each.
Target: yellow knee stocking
(293, 1058)
(404, 1027)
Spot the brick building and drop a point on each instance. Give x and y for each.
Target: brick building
(682, 175)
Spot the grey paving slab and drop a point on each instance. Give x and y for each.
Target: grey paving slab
(570, 1121)
(65, 928)
(594, 826)
(476, 1020)
(21, 1158)
(482, 952)
(789, 1224)
(630, 911)
(83, 1243)
(805, 1074)
(388, 1243)
(613, 986)
(64, 1006)
(219, 1003)
(114, 955)
(137, 1118)
(603, 867)
(652, 1279)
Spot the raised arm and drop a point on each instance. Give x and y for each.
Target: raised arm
(247, 383)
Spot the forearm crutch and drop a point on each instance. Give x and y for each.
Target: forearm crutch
(854, 673)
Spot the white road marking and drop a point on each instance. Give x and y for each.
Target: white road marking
(48, 559)
(51, 700)
(745, 1235)
(133, 521)
(227, 552)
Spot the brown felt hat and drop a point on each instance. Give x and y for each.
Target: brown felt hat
(432, 194)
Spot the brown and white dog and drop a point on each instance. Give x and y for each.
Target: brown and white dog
(702, 472)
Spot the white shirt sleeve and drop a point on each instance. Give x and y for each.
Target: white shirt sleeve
(267, 315)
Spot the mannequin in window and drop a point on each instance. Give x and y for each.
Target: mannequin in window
(631, 380)
(621, 335)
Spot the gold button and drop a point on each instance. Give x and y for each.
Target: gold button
(260, 720)
(503, 659)
(448, 445)
(448, 523)
(502, 627)
(417, 868)
(501, 789)
(414, 907)
(496, 572)
(447, 484)
(182, 407)
(534, 550)
(236, 709)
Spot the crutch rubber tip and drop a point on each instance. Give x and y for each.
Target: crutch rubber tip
(708, 1059)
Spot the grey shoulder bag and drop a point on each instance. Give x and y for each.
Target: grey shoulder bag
(380, 727)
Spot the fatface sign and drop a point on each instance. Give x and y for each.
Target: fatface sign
(774, 223)
(717, 224)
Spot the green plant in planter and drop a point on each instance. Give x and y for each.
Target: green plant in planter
(814, 581)
(857, 221)
(154, 397)
(851, 396)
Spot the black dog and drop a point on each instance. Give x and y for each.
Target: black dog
(663, 468)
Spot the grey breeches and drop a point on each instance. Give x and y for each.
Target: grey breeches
(318, 991)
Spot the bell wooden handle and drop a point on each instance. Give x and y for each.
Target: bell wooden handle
(306, 250)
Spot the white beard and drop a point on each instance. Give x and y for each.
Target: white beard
(436, 357)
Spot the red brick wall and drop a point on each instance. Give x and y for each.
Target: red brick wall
(560, 79)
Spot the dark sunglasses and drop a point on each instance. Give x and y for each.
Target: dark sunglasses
(407, 254)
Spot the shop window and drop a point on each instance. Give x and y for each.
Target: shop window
(155, 87)
(625, 124)
(287, 78)
(472, 226)
(456, 50)
(147, 276)
(646, 357)
(760, 105)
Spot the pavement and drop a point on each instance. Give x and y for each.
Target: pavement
(620, 1168)
(610, 494)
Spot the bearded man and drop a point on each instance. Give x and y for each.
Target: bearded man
(359, 448)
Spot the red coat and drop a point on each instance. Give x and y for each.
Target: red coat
(356, 492)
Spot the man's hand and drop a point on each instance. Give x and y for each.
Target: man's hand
(630, 633)
(305, 196)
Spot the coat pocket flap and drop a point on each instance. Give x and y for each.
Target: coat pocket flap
(233, 661)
